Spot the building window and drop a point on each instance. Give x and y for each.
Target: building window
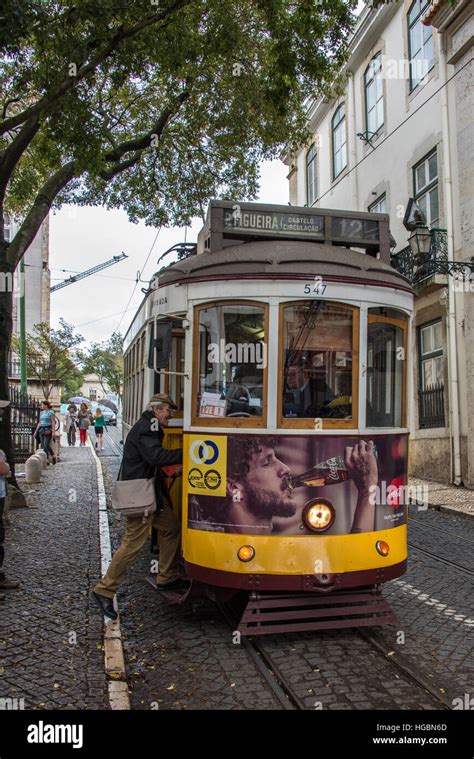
(230, 372)
(7, 228)
(374, 95)
(425, 181)
(311, 178)
(420, 43)
(93, 394)
(431, 377)
(431, 355)
(339, 157)
(379, 205)
(318, 377)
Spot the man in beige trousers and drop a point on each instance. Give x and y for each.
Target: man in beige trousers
(143, 458)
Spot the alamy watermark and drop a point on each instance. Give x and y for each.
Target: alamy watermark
(238, 353)
(12, 282)
(400, 68)
(398, 495)
(7, 704)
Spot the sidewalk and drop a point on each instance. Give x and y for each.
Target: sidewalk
(445, 497)
(51, 641)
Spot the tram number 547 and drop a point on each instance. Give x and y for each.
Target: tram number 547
(316, 288)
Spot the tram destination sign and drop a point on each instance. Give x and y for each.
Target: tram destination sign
(253, 221)
(274, 223)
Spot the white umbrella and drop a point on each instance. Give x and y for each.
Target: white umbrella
(79, 399)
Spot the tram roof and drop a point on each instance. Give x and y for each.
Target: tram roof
(283, 259)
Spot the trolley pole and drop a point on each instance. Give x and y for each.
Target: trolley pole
(23, 377)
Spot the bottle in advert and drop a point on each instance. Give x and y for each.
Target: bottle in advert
(329, 472)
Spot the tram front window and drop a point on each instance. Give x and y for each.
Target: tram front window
(232, 358)
(317, 361)
(385, 371)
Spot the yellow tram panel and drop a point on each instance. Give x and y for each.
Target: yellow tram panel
(288, 555)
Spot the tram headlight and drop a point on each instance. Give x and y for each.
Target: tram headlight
(246, 553)
(318, 514)
(382, 547)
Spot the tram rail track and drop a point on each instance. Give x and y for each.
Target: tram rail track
(440, 529)
(118, 451)
(267, 668)
(286, 694)
(435, 556)
(399, 661)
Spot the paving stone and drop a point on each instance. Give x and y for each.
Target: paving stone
(53, 549)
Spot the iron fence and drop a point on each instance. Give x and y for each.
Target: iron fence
(431, 406)
(25, 412)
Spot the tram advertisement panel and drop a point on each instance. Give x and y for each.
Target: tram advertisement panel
(295, 485)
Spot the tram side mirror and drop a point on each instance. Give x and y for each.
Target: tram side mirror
(160, 346)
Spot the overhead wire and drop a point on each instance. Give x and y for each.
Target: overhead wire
(138, 279)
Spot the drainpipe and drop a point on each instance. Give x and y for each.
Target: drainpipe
(352, 137)
(451, 322)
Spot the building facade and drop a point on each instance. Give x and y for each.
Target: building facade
(402, 129)
(37, 280)
(93, 388)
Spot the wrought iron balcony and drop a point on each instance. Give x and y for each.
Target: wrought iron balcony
(422, 267)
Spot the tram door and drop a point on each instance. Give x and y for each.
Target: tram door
(384, 385)
(173, 385)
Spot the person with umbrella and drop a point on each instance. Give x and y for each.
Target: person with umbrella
(84, 418)
(99, 424)
(109, 404)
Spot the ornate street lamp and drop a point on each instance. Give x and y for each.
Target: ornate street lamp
(420, 241)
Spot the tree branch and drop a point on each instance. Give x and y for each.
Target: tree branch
(140, 143)
(118, 167)
(87, 68)
(39, 210)
(45, 198)
(12, 154)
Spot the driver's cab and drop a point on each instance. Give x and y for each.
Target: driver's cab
(230, 361)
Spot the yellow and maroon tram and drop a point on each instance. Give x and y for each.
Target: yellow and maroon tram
(283, 335)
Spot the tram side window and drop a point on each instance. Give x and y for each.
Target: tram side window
(317, 360)
(174, 385)
(385, 373)
(231, 361)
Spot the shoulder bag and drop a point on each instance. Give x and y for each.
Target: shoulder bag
(134, 498)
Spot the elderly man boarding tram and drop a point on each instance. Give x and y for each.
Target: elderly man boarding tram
(141, 489)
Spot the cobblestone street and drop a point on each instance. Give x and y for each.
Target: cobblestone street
(51, 632)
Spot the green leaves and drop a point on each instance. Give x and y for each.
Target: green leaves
(50, 355)
(101, 75)
(106, 360)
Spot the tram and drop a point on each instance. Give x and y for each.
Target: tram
(283, 337)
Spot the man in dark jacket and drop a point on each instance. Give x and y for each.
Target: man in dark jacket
(143, 458)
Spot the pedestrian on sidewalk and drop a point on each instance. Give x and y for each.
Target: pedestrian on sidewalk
(4, 472)
(143, 458)
(84, 420)
(70, 424)
(45, 426)
(99, 424)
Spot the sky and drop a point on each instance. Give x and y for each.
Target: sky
(81, 238)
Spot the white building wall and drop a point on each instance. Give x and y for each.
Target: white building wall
(413, 127)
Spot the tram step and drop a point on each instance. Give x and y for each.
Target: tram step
(266, 613)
